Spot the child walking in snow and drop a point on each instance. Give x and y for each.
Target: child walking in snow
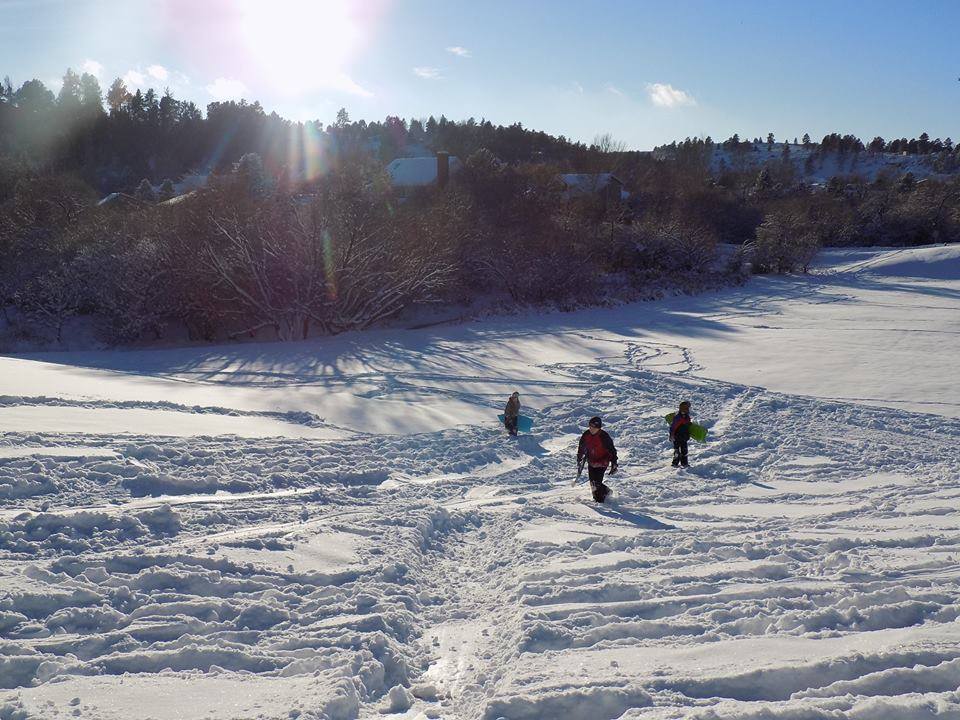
(511, 413)
(680, 434)
(597, 451)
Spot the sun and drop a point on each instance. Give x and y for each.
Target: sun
(298, 46)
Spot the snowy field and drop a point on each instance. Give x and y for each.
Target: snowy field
(338, 529)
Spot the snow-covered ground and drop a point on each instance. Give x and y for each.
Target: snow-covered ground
(338, 529)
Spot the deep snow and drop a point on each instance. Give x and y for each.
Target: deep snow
(339, 529)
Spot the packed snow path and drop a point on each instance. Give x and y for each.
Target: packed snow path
(806, 566)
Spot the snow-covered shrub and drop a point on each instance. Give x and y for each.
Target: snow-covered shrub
(540, 266)
(131, 288)
(785, 243)
(53, 297)
(665, 248)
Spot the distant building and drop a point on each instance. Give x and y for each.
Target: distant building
(607, 186)
(416, 172)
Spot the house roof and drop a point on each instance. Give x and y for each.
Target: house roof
(417, 171)
(588, 182)
(121, 198)
(177, 199)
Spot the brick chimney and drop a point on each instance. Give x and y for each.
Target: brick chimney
(443, 168)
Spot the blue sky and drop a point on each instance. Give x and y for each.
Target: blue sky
(646, 72)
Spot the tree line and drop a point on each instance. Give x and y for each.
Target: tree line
(299, 232)
(114, 140)
(832, 142)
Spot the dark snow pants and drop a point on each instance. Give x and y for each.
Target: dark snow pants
(680, 453)
(511, 424)
(597, 488)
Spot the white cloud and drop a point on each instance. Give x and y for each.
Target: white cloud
(614, 90)
(158, 72)
(134, 79)
(578, 87)
(459, 51)
(226, 89)
(154, 75)
(92, 67)
(342, 81)
(427, 73)
(665, 95)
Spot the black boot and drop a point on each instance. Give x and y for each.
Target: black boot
(598, 491)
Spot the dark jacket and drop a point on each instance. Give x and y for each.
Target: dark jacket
(680, 427)
(512, 409)
(597, 454)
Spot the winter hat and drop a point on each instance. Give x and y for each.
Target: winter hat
(515, 394)
(684, 404)
(596, 421)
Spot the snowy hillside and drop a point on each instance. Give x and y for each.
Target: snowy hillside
(338, 529)
(813, 166)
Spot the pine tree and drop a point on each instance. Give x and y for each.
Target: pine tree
(6, 90)
(167, 111)
(763, 183)
(151, 108)
(117, 96)
(34, 98)
(136, 106)
(166, 191)
(769, 141)
(806, 140)
(91, 97)
(252, 176)
(145, 191)
(69, 96)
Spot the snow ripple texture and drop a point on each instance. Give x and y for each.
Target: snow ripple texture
(807, 566)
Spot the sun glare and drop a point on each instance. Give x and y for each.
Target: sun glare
(299, 46)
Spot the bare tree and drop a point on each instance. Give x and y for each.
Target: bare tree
(340, 262)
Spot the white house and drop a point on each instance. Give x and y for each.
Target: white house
(414, 172)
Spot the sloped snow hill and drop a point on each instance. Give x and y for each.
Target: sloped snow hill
(340, 530)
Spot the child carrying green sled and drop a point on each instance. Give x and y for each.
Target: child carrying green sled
(681, 429)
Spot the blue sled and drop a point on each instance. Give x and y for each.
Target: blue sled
(524, 424)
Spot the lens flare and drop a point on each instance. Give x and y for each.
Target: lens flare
(298, 46)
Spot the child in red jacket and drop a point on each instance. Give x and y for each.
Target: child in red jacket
(597, 450)
(680, 434)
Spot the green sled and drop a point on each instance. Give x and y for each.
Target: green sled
(697, 432)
